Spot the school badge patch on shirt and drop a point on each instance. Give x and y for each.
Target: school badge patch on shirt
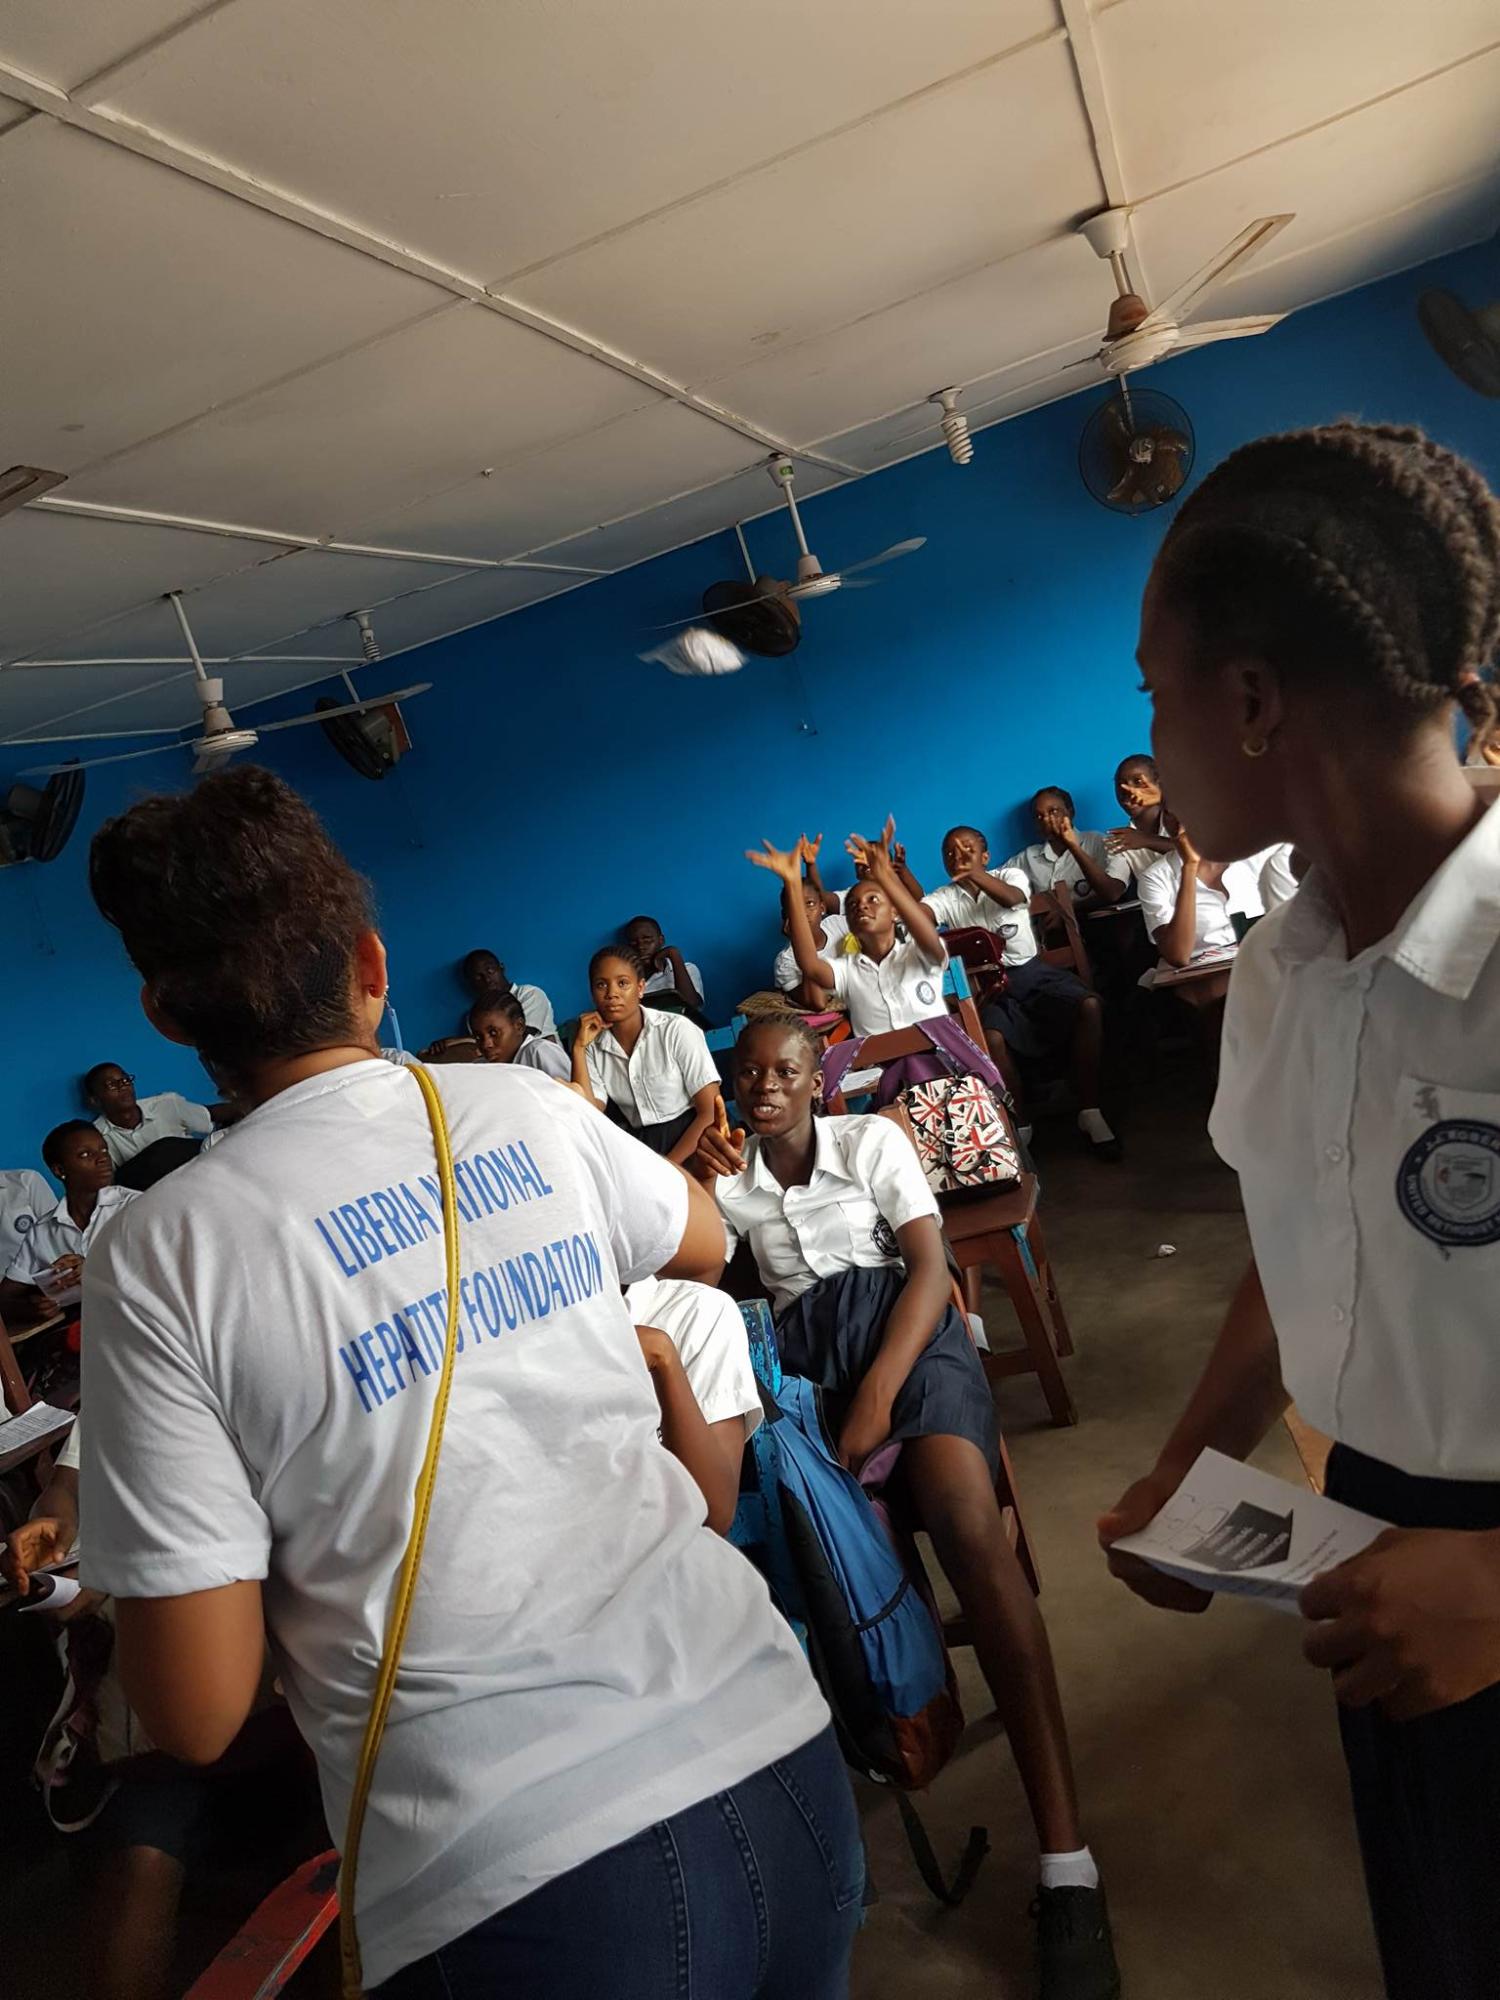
(1448, 1185)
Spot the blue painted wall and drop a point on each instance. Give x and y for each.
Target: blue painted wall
(558, 785)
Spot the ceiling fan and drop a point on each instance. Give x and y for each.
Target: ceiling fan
(219, 737)
(1136, 334)
(763, 615)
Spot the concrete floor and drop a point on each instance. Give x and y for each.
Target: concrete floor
(1207, 1750)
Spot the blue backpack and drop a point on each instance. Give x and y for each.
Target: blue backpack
(860, 1608)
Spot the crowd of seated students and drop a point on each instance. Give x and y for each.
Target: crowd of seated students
(839, 1222)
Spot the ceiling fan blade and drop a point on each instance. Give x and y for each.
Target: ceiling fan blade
(719, 611)
(91, 763)
(1249, 243)
(208, 761)
(1209, 330)
(905, 548)
(349, 708)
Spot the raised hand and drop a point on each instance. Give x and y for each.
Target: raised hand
(1190, 855)
(785, 862)
(720, 1150)
(872, 856)
(590, 1028)
(810, 849)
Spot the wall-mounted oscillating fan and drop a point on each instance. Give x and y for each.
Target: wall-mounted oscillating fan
(1136, 450)
(1467, 341)
(35, 825)
(220, 737)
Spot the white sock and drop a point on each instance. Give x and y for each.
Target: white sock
(1094, 1125)
(1070, 1871)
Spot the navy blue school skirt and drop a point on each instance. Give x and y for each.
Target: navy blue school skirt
(1427, 1792)
(660, 1138)
(832, 1333)
(1039, 1008)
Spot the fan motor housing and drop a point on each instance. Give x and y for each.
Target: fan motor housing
(766, 623)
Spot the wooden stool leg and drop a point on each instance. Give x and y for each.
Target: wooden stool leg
(973, 1286)
(1031, 1310)
(1037, 1244)
(1010, 1510)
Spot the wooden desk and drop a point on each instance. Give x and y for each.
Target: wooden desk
(1208, 988)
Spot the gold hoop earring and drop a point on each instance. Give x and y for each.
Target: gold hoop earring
(1256, 746)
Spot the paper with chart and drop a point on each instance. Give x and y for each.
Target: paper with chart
(1231, 1528)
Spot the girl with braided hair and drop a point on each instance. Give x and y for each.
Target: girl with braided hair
(1318, 608)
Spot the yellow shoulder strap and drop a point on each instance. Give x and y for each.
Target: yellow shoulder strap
(411, 1561)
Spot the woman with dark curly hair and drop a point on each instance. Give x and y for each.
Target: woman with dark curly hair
(1321, 605)
(606, 1760)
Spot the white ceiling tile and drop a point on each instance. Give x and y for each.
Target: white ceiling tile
(135, 298)
(908, 432)
(961, 177)
(1338, 178)
(491, 137)
(77, 702)
(1193, 85)
(1443, 222)
(690, 518)
(454, 607)
(65, 43)
(410, 416)
(281, 596)
(59, 575)
(994, 319)
(626, 465)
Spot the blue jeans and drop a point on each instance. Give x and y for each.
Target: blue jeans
(754, 1894)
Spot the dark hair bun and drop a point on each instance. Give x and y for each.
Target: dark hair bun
(239, 913)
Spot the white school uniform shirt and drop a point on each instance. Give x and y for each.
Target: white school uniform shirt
(1044, 870)
(24, 1196)
(547, 1055)
(55, 1234)
(785, 976)
(867, 1183)
(898, 991)
(959, 909)
(659, 1079)
(165, 1116)
(1249, 887)
(1359, 1103)
(537, 1008)
(584, 1659)
(665, 981)
(705, 1327)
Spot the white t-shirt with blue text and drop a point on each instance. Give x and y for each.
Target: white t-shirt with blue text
(584, 1657)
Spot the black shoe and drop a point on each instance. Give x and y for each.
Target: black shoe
(1074, 1949)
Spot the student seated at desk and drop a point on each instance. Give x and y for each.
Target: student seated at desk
(845, 1234)
(667, 971)
(1063, 854)
(1189, 904)
(485, 977)
(652, 1069)
(24, 1196)
(695, 1346)
(1152, 829)
(890, 982)
(55, 1247)
(1046, 1011)
(131, 1124)
(501, 1035)
(828, 933)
